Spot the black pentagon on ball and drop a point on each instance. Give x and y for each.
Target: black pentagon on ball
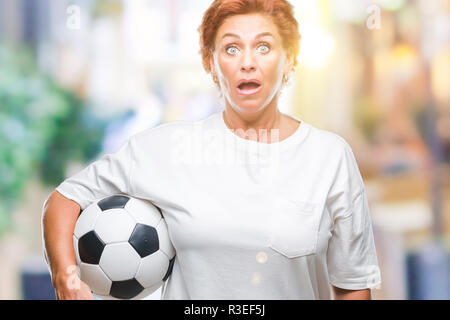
(126, 289)
(169, 270)
(90, 248)
(113, 202)
(144, 239)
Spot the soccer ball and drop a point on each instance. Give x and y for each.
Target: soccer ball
(122, 248)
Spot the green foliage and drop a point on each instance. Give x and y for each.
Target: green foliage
(79, 138)
(42, 128)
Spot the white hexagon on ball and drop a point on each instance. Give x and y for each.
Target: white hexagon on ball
(120, 261)
(114, 225)
(147, 278)
(94, 275)
(87, 220)
(164, 240)
(143, 212)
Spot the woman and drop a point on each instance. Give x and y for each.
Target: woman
(251, 215)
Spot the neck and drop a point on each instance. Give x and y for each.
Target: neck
(254, 126)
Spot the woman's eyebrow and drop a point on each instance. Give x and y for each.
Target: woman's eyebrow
(262, 34)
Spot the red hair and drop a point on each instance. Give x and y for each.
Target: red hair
(281, 12)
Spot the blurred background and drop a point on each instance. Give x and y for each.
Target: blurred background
(77, 78)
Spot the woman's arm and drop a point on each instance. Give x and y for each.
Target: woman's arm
(59, 218)
(344, 294)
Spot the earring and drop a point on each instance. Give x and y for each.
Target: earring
(215, 78)
(285, 78)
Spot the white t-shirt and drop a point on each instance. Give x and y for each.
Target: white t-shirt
(248, 219)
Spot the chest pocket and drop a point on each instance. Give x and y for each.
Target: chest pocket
(294, 227)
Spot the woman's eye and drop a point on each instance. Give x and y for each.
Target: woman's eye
(231, 52)
(264, 46)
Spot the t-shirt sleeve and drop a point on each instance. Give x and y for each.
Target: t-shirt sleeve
(351, 256)
(108, 175)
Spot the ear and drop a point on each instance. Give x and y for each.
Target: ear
(289, 64)
(211, 63)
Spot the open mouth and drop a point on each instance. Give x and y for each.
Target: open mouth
(248, 87)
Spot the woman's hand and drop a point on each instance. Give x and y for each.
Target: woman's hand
(70, 287)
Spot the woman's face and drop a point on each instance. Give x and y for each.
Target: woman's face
(249, 47)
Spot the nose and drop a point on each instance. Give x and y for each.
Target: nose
(247, 63)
